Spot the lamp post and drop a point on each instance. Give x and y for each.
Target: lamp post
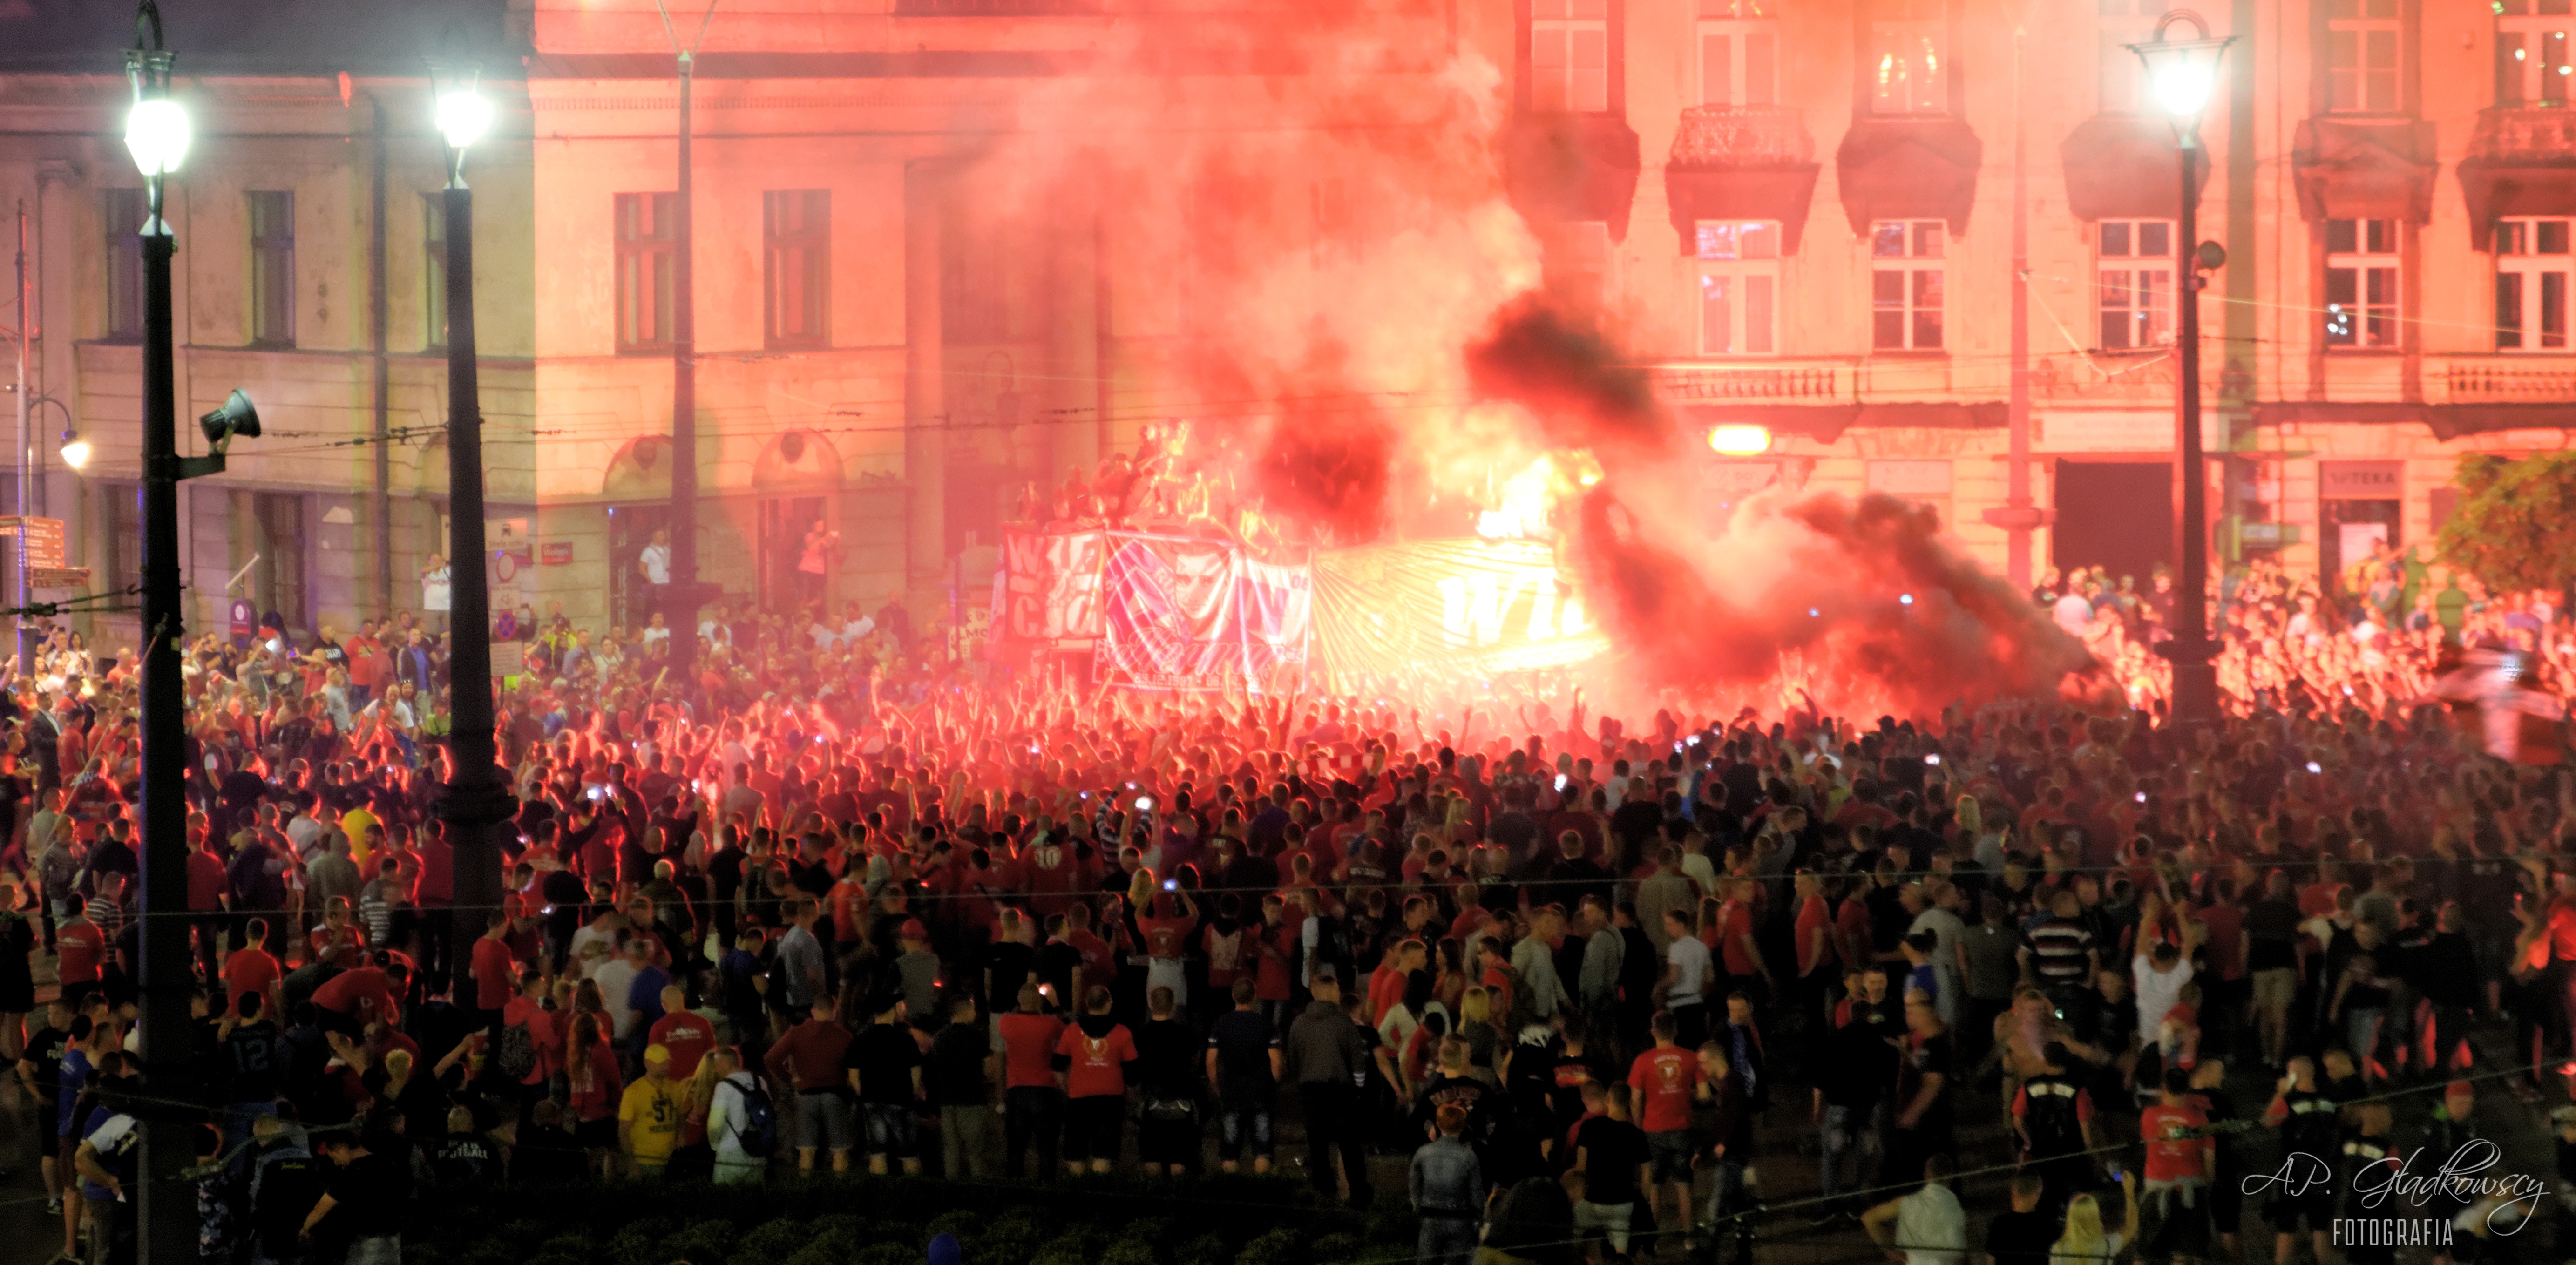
(476, 797)
(2180, 76)
(157, 134)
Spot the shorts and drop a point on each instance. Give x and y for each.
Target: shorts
(823, 1120)
(1670, 1153)
(49, 1113)
(1094, 1127)
(891, 1128)
(2276, 988)
(1248, 1124)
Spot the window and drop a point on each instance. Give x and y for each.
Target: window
(976, 268)
(1570, 56)
(2531, 48)
(2136, 283)
(1905, 285)
(433, 292)
(1574, 260)
(124, 211)
(1909, 57)
(272, 269)
(2532, 266)
(796, 227)
(1739, 62)
(647, 236)
(2361, 283)
(124, 536)
(280, 519)
(2123, 78)
(1739, 287)
(2362, 49)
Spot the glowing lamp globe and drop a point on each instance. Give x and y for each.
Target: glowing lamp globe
(2181, 74)
(157, 134)
(2182, 85)
(76, 451)
(463, 116)
(1736, 440)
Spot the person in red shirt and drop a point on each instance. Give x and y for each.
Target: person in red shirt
(251, 969)
(354, 998)
(1814, 936)
(209, 899)
(1032, 1104)
(2177, 1151)
(1386, 983)
(528, 1010)
(1663, 1080)
(683, 1032)
(1735, 934)
(495, 973)
(80, 948)
(1091, 1060)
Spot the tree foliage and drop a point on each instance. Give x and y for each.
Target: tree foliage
(2515, 527)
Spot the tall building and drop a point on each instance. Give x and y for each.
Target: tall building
(1798, 211)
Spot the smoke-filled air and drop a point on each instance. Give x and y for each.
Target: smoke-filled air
(1374, 352)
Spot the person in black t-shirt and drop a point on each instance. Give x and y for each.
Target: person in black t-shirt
(884, 1064)
(2023, 1235)
(362, 1200)
(1610, 1152)
(1920, 1124)
(959, 1076)
(1243, 1065)
(39, 1071)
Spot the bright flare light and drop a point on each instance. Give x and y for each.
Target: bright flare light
(463, 117)
(1739, 440)
(76, 453)
(157, 134)
(2182, 85)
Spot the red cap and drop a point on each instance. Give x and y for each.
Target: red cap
(2457, 1088)
(912, 930)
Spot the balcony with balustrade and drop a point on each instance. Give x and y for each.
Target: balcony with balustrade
(1741, 163)
(2521, 161)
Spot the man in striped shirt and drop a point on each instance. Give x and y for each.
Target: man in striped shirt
(2062, 956)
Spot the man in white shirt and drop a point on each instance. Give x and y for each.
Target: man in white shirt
(2073, 614)
(1927, 1227)
(1686, 965)
(616, 979)
(654, 562)
(728, 1117)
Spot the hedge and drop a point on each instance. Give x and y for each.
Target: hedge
(891, 1220)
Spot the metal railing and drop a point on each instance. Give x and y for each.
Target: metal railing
(1742, 136)
(1686, 384)
(2488, 382)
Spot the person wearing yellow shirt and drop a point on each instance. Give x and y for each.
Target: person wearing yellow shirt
(354, 823)
(648, 1117)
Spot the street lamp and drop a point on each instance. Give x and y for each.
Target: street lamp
(76, 451)
(1737, 439)
(157, 134)
(2181, 74)
(476, 796)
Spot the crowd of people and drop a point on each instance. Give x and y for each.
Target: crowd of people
(1568, 975)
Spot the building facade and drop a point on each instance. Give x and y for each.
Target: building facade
(1801, 213)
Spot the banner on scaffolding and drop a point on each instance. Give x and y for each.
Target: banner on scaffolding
(1447, 607)
(1159, 612)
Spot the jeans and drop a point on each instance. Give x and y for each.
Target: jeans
(1837, 1138)
(1031, 1113)
(1332, 1121)
(2361, 1028)
(1728, 1190)
(1445, 1241)
(382, 1249)
(966, 1141)
(1240, 1120)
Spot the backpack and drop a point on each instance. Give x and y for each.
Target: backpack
(758, 1131)
(515, 1054)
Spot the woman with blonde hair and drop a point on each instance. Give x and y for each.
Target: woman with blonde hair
(2084, 1241)
(1476, 1025)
